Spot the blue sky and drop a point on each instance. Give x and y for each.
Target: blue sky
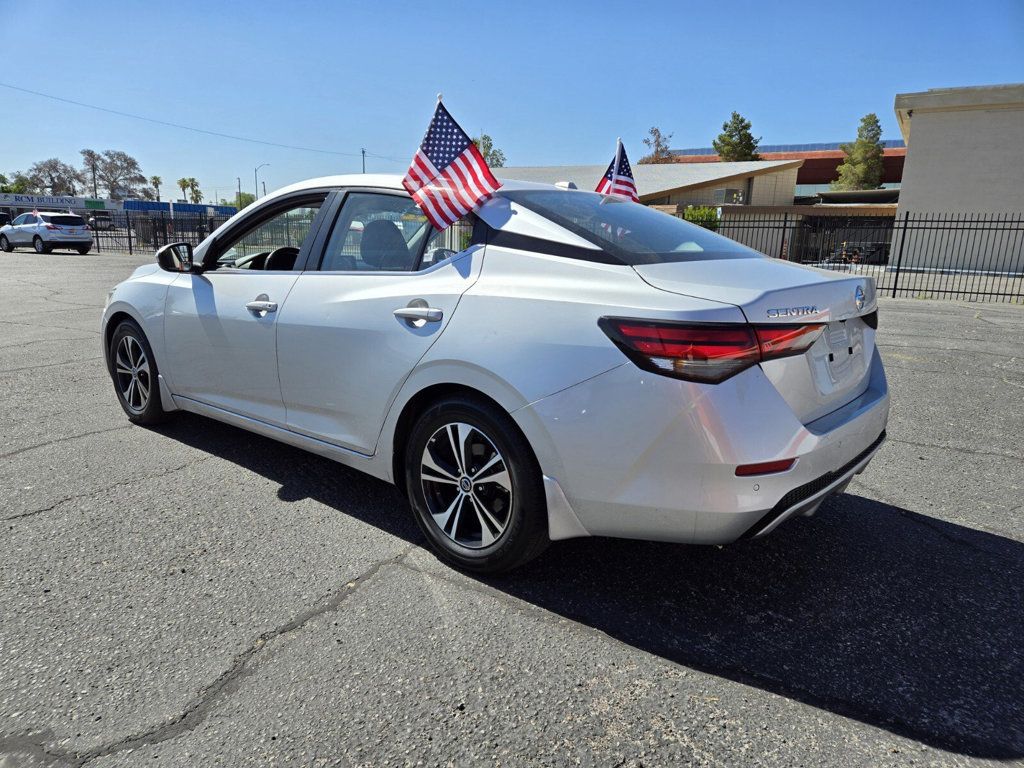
(552, 82)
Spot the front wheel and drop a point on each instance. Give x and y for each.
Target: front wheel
(134, 372)
(39, 245)
(84, 251)
(475, 487)
(5, 244)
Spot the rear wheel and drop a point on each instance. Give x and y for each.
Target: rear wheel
(39, 245)
(134, 372)
(5, 244)
(84, 250)
(475, 487)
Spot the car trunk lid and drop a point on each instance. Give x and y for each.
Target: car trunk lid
(835, 369)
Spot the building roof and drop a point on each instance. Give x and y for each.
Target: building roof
(655, 180)
(1009, 96)
(762, 148)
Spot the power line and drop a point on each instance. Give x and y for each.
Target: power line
(188, 127)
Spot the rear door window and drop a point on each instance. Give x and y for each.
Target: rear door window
(630, 232)
(68, 221)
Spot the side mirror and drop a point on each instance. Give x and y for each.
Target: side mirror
(175, 257)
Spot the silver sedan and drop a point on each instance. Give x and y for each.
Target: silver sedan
(559, 364)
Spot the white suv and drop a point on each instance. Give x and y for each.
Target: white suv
(46, 231)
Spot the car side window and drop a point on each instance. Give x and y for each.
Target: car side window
(29, 219)
(274, 243)
(376, 233)
(448, 242)
(20, 220)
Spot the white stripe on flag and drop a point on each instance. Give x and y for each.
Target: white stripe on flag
(458, 196)
(481, 173)
(467, 178)
(427, 206)
(441, 204)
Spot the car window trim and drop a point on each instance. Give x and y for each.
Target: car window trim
(263, 214)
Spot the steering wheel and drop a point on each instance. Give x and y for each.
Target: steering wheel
(285, 253)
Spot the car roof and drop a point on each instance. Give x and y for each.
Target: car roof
(51, 213)
(384, 181)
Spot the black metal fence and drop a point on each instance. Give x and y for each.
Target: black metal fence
(977, 257)
(144, 231)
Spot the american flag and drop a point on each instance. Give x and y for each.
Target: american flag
(448, 176)
(618, 179)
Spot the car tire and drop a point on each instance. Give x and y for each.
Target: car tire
(84, 251)
(5, 244)
(500, 522)
(135, 375)
(40, 246)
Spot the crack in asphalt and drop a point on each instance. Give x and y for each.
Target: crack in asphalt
(202, 705)
(955, 449)
(63, 440)
(112, 486)
(42, 341)
(45, 325)
(934, 525)
(52, 365)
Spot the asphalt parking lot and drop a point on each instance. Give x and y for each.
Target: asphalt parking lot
(196, 595)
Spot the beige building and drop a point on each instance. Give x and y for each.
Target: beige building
(965, 150)
(762, 182)
(965, 161)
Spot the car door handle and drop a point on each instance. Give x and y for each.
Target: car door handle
(425, 314)
(261, 307)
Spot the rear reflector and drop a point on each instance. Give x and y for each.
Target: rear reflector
(705, 352)
(764, 468)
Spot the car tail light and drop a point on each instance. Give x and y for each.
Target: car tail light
(705, 352)
(52, 226)
(784, 340)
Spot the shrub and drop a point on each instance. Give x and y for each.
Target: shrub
(702, 215)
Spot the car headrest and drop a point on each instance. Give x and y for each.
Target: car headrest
(383, 246)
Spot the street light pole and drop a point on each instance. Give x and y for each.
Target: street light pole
(239, 201)
(256, 177)
(364, 159)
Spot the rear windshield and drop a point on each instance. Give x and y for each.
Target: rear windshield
(633, 233)
(66, 221)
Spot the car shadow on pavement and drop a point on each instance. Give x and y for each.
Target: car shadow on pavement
(896, 619)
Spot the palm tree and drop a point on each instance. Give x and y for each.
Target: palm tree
(183, 185)
(156, 181)
(193, 188)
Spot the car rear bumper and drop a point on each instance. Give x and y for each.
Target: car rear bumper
(638, 455)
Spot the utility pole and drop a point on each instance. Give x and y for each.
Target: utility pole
(264, 188)
(364, 159)
(239, 201)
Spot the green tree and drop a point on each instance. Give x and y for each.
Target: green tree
(240, 201)
(862, 166)
(155, 182)
(183, 186)
(736, 143)
(17, 184)
(657, 142)
(493, 156)
(195, 194)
